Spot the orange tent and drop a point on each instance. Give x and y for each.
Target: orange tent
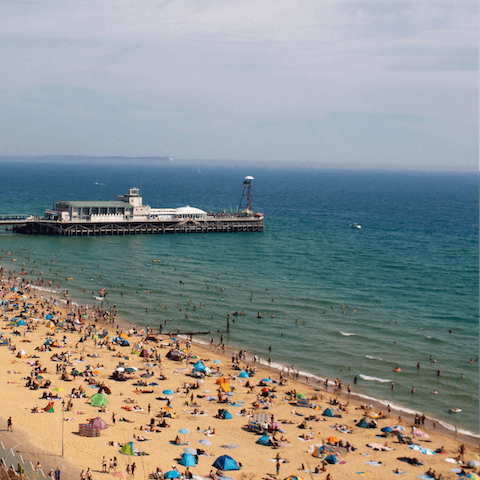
(222, 380)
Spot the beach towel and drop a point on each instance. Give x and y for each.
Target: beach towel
(374, 464)
(399, 473)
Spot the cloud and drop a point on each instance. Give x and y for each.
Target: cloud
(215, 70)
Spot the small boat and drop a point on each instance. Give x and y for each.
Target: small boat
(455, 410)
(355, 225)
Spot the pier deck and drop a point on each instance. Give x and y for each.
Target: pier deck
(211, 224)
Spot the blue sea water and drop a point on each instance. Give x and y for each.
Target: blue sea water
(408, 280)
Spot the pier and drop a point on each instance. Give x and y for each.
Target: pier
(129, 216)
(220, 223)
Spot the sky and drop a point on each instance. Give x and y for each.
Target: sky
(386, 83)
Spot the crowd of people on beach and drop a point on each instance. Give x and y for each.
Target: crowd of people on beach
(89, 331)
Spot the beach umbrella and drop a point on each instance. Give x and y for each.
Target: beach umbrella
(153, 384)
(168, 392)
(119, 369)
(193, 451)
(387, 429)
(473, 476)
(294, 477)
(225, 462)
(188, 460)
(473, 463)
(333, 439)
(131, 369)
(206, 442)
(172, 474)
(120, 475)
(266, 380)
(399, 428)
(243, 375)
(184, 431)
(167, 407)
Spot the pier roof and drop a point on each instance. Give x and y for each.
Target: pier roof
(105, 203)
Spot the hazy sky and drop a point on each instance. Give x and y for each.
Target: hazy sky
(382, 83)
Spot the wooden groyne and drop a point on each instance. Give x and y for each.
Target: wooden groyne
(220, 224)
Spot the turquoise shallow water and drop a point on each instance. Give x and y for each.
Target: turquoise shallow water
(414, 264)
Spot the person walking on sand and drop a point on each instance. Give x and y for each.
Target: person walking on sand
(133, 469)
(278, 467)
(89, 474)
(9, 425)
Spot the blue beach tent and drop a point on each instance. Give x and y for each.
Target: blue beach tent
(21, 322)
(188, 460)
(363, 423)
(332, 459)
(328, 413)
(225, 462)
(172, 474)
(243, 375)
(264, 440)
(199, 366)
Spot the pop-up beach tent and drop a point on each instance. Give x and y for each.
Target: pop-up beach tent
(225, 462)
(328, 413)
(127, 449)
(318, 452)
(49, 408)
(264, 440)
(363, 423)
(98, 400)
(332, 459)
(187, 460)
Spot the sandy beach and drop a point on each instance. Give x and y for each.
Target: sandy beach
(83, 355)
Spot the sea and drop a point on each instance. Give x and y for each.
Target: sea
(334, 301)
